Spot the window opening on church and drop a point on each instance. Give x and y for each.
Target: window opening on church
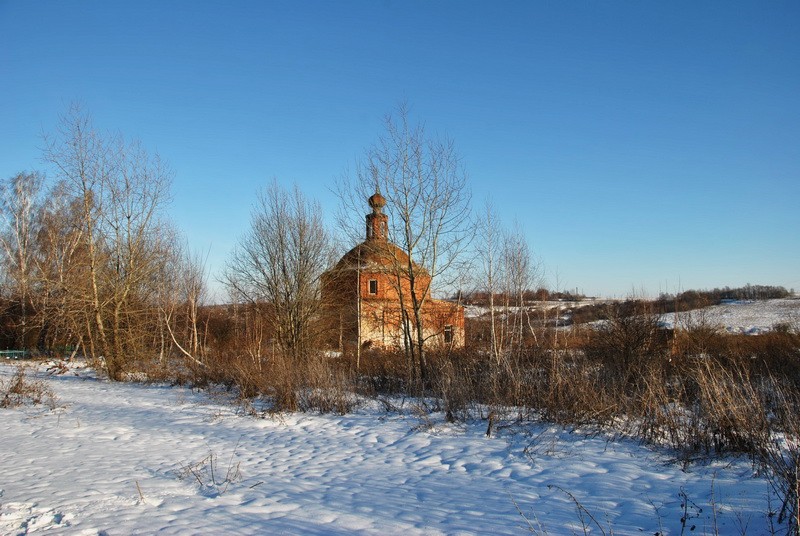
(448, 334)
(373, 286)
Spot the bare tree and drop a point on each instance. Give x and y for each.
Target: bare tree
(61, 271)
(182, 292)
(138, 244)
(194, 291)
(521, 274)
(83, 163)
(428, 206)
(120, 192)
(490, 247)
(278, 264)
(19, 206)
(506, 271)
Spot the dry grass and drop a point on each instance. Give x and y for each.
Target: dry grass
(20, 390)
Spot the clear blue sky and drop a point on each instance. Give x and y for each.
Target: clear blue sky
(647, 146)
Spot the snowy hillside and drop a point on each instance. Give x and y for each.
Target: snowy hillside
(132, 459)
(750, 317)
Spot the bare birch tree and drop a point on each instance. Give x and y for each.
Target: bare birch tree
(182, 291)
(19, 206)
(120, 191)
(428, 204)
(278, 264)
(61, 269)
(521, 274)
(490, 248)
(138, 244)
(506, 271)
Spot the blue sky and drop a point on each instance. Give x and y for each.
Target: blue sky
(642, 146)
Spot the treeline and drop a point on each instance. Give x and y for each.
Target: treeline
(90, 262)
(696, 299)
(686, 300)
(91, 265)
(482, 298)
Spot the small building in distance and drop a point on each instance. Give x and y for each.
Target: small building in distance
(361, 295)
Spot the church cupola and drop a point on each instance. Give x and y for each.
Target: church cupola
(377, 222)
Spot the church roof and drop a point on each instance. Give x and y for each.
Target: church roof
(376, 254)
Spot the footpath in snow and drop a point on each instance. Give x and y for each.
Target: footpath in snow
(117, 459)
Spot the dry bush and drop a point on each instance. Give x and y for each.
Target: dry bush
(19, 390)
(154, 370)
(704, 406)
(561, 386)
(628, 336)
(696, 335)
(327, 388)
(770, 354)
(249, 378)
(578, 390)
(272, 378)
(660, 416)
(459, 382)
(700, 406)
(208, 475)
(316, 383)
(732, 404)
(378, 372)
(781, 456)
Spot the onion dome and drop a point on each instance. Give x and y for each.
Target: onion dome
(377, 202)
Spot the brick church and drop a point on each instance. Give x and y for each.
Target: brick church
(361, 295)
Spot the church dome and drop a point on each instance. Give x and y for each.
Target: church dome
(377, 202)
(376, 252)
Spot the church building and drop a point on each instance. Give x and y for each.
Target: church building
(362, 295)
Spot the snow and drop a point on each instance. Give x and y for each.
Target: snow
(750, 317)
(547, 307)
(118, 458)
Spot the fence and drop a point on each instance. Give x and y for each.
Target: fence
(15, 354)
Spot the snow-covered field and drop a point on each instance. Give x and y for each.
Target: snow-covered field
(752, 317)
(121, 459)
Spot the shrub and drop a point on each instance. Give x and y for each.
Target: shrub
(19, 390)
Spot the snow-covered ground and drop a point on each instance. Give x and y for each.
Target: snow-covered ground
(752, 317)
(135, 459)
(550, 307)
